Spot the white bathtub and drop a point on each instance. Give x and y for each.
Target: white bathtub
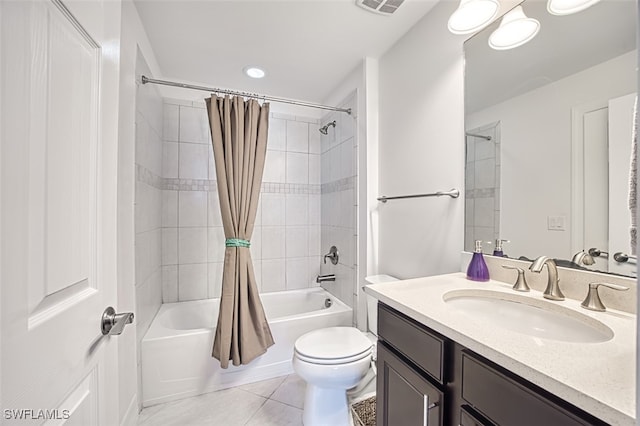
(176, 351)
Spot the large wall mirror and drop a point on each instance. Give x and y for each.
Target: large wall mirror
(549, 135)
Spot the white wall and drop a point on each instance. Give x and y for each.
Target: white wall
(536, 153)
(133, 38)
(421, 149)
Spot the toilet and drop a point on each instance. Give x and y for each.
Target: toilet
(331, 361)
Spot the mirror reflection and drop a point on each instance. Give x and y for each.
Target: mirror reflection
(549, 135)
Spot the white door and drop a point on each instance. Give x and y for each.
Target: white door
(596, 184)
(590, 181)
(58, 149)
(620, 134)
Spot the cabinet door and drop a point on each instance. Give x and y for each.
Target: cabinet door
(404, 396)
(470, 418)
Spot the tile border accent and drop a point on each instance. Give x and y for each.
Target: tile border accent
(339, 185)
(480, 193)
(145, 175)
(174, 184)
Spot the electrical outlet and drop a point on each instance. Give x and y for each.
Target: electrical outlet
(556, 223)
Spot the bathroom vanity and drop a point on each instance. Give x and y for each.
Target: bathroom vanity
(441, 365)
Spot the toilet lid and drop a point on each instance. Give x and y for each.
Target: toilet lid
(333, 343)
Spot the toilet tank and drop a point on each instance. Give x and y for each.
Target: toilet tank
(372, 302)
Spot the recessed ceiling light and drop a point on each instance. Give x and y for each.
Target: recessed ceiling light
(567, 7)
(472, 15)
(515, 30)
(254, 72)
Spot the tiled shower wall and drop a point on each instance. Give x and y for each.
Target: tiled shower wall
(482, 187)
(285, 245)
(148, 206)
(339, 202)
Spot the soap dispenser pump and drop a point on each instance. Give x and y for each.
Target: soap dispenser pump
(477, 270)
(497, 250)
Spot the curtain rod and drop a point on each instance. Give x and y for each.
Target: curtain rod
(146, 80)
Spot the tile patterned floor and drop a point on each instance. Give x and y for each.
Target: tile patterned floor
(275, 402)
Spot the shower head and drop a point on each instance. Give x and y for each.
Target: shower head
(325, 129)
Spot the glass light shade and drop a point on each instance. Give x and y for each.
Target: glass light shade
(515, 30)
(473, 15)
(567, 7)
(254, 72)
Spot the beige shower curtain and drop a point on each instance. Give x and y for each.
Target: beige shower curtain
(239, 138)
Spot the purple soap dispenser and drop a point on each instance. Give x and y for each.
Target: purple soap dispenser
(497, 251)
(477, 270)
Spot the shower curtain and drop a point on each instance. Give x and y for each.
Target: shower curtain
(239, 138)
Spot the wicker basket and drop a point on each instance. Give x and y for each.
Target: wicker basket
(364, 412)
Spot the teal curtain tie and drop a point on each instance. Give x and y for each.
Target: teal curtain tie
(237, 242)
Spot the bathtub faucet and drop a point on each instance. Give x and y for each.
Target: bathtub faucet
(326, 277)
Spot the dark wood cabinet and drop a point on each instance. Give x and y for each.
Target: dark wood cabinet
(425, 378)
(408, 398)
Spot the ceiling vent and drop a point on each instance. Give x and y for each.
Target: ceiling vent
(381, 7)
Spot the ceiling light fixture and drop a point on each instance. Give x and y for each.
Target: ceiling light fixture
(515, 30)
(473, 15)
(254, 72)
(567, 7)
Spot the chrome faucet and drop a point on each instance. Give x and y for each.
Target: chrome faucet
(326, 277)
(552, 291)
(584, 258)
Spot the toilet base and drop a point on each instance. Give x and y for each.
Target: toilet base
(325, 407)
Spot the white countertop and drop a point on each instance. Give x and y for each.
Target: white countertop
(599, 378)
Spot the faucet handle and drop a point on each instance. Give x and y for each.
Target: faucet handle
(521, 281)
(332, 255)
(593, 302)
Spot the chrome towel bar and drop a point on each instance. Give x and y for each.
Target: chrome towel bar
(453, 193)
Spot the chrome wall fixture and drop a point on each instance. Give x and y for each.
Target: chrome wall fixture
(453, 193)
(333, 255)
(325, 129)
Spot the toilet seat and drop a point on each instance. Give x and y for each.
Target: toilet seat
(333, 345)
(332, 361)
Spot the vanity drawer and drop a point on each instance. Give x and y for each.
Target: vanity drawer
(424, 348)
(506, 401)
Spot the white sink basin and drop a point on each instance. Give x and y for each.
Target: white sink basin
(533, 317)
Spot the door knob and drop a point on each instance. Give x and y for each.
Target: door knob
(112, 323)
